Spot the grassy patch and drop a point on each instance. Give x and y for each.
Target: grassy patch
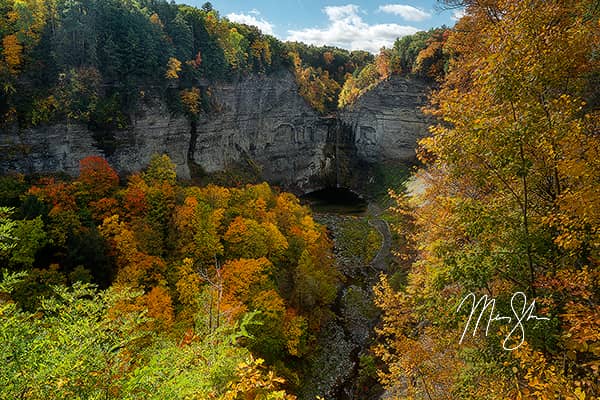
(358, 241)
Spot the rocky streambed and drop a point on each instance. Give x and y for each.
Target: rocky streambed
(345, 368)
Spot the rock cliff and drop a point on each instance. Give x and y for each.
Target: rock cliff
(60, 147)
(263, 119)
(259, 120)
(387, 121)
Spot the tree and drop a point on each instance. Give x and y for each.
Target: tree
(173, 68)
(198, 226)
(502, 161)
(29, 237)
(243, 280)
(7, 227)
(97, 177)
(250, 239)
(106, 337)
(180, 33)
(191, 99)
(207, 7)
(160, 170)
(75, 37)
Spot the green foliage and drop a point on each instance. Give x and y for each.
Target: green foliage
(407, 49)
(30, 237)
(358, 241)
(79, 346)
(11, 189)
(94, 60)
(7, 227)
(421, 55)
(160, 170)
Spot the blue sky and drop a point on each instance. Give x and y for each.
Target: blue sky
(350, 24)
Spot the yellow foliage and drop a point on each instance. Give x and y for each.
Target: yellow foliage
(173, 68)
(510, 202)
(155, 19)
(261, 51)
(191, 100)
(26, 21)
(255, 382)
(12, 51)
(241, 279)
(294, 327)
(248, 238)
(189, 283)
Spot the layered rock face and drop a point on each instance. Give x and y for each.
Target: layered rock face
(60, 147)
(263, 119)
(387, 121)
(258, 121)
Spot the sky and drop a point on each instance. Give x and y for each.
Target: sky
(350, 24)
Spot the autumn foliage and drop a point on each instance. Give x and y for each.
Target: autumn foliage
(201, 258)
(510, 205)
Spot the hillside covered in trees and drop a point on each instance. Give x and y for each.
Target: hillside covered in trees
(193, 273)
(147, 286)
(93, 60)
(509, 210)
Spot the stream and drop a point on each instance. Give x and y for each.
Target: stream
(336, 371)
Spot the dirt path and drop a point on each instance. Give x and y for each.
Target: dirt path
(379, 261)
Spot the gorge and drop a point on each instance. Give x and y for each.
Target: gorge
(258, 121)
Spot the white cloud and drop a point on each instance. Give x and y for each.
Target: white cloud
(253, 18)
(408, 13)
(458, 14)
(348, 30)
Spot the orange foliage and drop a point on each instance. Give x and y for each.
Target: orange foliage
(58, 194)
(134, 196)
(12, 50)
(384, 64)
(160, 307)
(97, 176)
(103, 208)
(243, 279)
(136, 268)
(328, 57)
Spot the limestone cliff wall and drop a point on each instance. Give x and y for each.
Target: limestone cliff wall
(259, 120)
(387, 121)
(60, 147)
(263, 119)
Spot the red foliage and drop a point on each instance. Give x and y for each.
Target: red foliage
(97, 176)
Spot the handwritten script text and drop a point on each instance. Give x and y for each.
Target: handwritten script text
(520, 315)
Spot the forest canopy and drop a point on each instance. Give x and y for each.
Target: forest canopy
(146, 286)
(244, 270)
(93, 61)
(510, 205)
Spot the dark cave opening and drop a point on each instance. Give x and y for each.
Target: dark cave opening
(337, 200)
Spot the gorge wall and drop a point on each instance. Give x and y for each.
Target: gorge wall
(387, 121)
(60, 147)
(258, 120)
(263, 120)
